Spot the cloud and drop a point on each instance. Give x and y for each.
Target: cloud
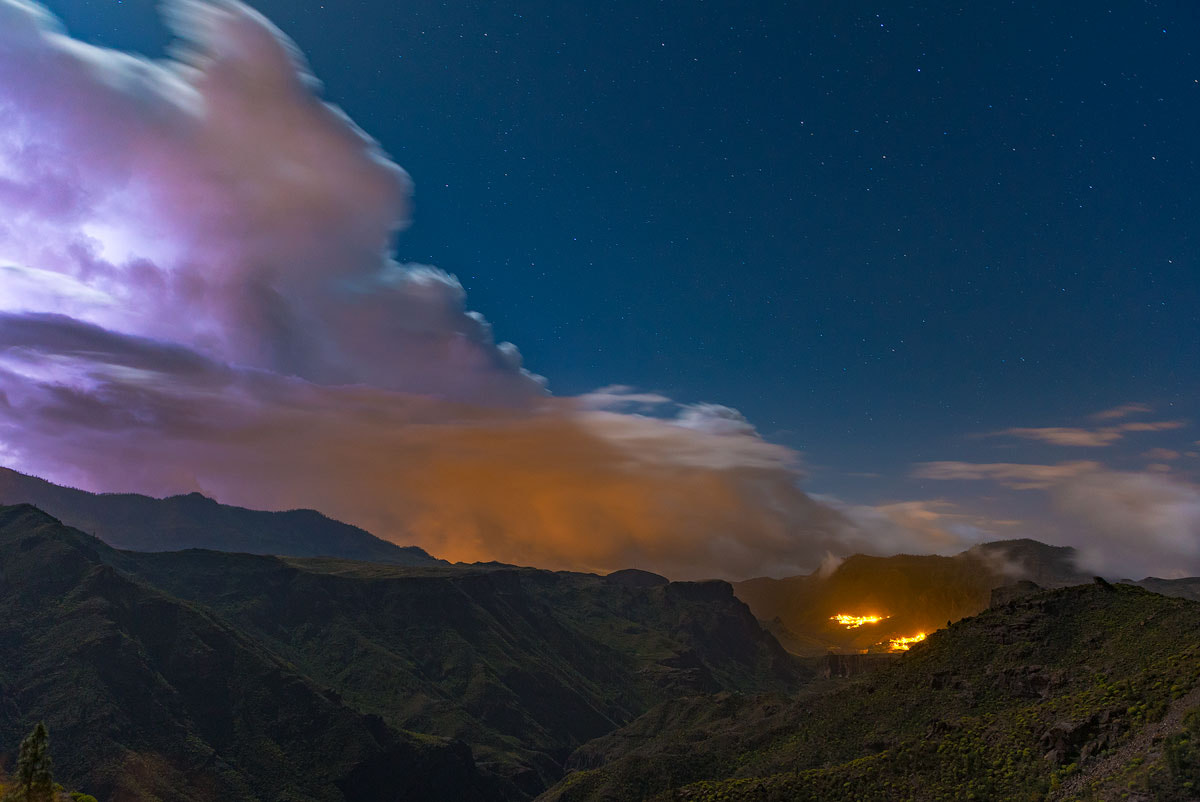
(1014, 475)
(1162, 454)
(1088, 438)
(1137, 523)
(215, 201)
(1153, 426)
(622, 398)
(199, 292)
(920, 527)
(546, 485)
(1128, 524)
(1062, 436)
(1123, 411)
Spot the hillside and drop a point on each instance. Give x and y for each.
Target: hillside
(1083, 692)
(910, 594)
(151, 698)
(213, 676)
(524, 665)
(142, 523)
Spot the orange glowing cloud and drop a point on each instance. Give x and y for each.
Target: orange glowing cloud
(200, 294)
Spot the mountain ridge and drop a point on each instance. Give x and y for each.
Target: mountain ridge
(144, 523)
(175, 669)
(149, 697)
(1039, 698)
(909, 594)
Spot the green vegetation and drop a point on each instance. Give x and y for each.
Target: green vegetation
(1033, 700)
(206, 676)
(34, 781)
(209, 676)
(523, 665)
(151, 698)
(1182, 758)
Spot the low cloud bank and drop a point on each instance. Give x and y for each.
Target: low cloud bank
(1129, 524)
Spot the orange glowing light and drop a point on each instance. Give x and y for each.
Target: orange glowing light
(903, 644)
(856, 621)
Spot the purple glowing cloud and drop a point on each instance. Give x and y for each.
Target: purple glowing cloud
(197, 292)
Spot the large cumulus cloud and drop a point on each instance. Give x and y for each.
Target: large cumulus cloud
(554, 483)
(215, 200)
(197, 292)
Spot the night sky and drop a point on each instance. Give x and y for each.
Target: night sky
(902, 240)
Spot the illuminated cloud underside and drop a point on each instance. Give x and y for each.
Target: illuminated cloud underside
(198, 293)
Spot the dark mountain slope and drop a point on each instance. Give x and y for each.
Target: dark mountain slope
(141, 523)
(149, 698)
(524, 665)
(1011, 704)
(1188, 588)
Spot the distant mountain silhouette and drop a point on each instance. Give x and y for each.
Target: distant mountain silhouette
(142, 523)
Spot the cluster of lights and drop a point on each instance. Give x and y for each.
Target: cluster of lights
(903, 644)
(900, 644)
(856, 621)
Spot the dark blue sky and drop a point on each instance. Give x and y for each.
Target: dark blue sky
(878, 230)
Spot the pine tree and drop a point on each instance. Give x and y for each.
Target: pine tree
(33, 781)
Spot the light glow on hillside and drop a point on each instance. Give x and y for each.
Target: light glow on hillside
(856, 621)
(903, 644)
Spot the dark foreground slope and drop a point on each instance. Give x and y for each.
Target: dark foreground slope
(524, 665)
(150, 698)
(1085, 692)
(208, 676)
(142, 523)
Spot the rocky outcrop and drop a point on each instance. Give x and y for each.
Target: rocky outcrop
(1010, 593)
(1076, 741)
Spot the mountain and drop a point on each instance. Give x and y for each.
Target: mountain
(216, 676)
(1188, 588)
(1090, 691)
(142, 523)
(151, 698)
(909, 594)
(524, 665)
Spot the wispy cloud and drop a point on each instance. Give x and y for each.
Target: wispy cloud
(1015, 475)
(1122, 411)
(1087, 438)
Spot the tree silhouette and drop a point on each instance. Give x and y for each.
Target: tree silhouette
(34, 782)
